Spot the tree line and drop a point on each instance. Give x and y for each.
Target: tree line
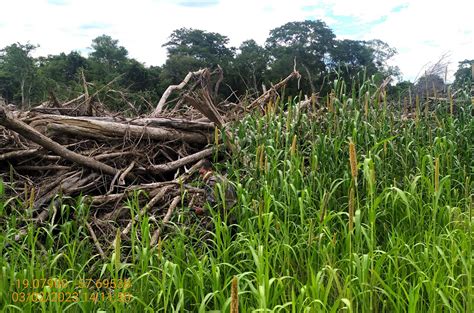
(110, 72)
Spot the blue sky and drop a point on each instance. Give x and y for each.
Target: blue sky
(421, 30)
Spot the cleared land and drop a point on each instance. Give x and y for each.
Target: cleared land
(351, 205)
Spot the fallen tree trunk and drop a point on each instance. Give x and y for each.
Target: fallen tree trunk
(176, 123)
(30, 133)
(94, 128)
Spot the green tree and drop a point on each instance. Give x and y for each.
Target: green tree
(249, 67)
(176, 68)
(309, 42)
(382, 53)
(350, 57)
(192, 49)
(463, 75)
(135, 76)
(18, 66)
(355, 61)
(107, 51)
(107, 59)
(401, 92)
(60, 74)
(210, 49)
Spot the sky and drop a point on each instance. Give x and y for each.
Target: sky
(421, 30)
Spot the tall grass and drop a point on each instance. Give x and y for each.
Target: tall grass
(358, 211)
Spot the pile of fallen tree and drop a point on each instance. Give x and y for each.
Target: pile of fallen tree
(57, 151)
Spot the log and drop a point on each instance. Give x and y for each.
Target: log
(18, 154)
(176, 123)
(171, 166)
(30, 133)
(105, 130)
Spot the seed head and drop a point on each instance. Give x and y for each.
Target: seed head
(353, 160)
(234, 295)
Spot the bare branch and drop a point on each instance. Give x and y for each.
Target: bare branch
(170, 89)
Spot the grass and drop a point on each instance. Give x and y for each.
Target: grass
(359, 211)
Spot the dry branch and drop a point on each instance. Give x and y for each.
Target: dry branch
(266, 95)
(96, 242)
(18, 154)
(170, 89)
(206, 108)
(166, 219)
(162, 192)
(174, 165)
(7, 120)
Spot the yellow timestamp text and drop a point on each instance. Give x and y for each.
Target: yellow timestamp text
(65, 297)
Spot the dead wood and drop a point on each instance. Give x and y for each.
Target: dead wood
(96, 242)
(220, 72)
(7, 120)
(42, 167)
(125, 173)
(18, 154)
(206, 107)
(166, 219)
(75, 100)
(174, 123)
(58, 151)
(267, 94)
(105, 130)
(171, 166)
(170, 89)
(152, 202)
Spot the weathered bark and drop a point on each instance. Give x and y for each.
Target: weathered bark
(30, 133)
(206, 108)
(174, 123)
(171, 166)
(177, 123)
(18, 154)
(170, 89)
(96, 128)
(219, 80)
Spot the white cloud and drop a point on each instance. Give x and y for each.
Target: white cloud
(425, 30)
(364, 10)
(421, 31)
(142, 26)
